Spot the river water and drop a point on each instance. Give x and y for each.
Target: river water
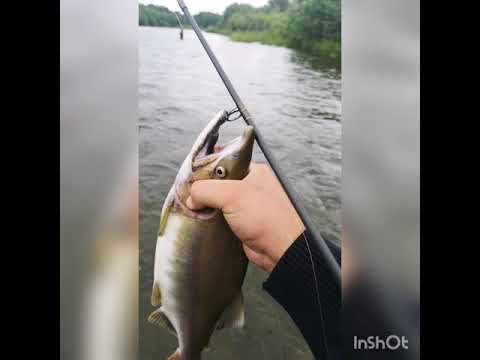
(296, 103)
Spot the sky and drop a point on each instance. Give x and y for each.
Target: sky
(195, 6)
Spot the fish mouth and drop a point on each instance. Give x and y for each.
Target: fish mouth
(206, 143)
(209, 147)
(210, 151)
(205, 153)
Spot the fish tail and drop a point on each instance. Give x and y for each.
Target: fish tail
(175, 355)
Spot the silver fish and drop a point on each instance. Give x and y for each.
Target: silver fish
(199, 263)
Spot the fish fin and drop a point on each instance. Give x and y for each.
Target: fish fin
(160, 319)
(175, 355)
(166, 210)
(234, 314)
(156, 298)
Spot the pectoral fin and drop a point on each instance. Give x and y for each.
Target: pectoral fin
(234, 314)
(158, 318)
(156, 298)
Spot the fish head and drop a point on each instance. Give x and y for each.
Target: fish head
(207, 160)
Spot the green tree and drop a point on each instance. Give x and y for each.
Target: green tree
(313, 20)
(207, 19)
(278, 5)
(152, 15)
(236, 8)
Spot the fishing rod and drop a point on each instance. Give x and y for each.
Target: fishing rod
(294, 198)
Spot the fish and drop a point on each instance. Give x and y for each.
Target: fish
(200, 264)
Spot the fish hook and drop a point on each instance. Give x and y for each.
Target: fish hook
(234, 111)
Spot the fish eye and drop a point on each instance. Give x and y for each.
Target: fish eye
(220, 172)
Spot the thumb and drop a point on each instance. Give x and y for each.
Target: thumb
(213, 193)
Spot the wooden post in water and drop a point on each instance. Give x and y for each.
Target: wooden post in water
(181, 26)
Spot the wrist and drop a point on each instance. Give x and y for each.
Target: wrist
(285, 240)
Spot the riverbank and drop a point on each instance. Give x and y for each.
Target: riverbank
(327, 50)
(312, 27)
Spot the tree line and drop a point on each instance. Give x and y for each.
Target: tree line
(313, 26)
(154, 15)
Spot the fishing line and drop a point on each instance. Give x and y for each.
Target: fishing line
(317, 291)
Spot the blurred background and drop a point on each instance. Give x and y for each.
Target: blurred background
(381, 171)
(341, 116)
(98, 179)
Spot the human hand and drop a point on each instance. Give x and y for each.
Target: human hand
(257, 210)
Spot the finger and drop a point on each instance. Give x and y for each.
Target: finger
(213, 193)
(192, 205)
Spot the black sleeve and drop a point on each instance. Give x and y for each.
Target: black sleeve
(292, 284)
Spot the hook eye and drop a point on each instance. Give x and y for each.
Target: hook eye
(234, 111)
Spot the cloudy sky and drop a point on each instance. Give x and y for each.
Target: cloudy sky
(196, 6)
